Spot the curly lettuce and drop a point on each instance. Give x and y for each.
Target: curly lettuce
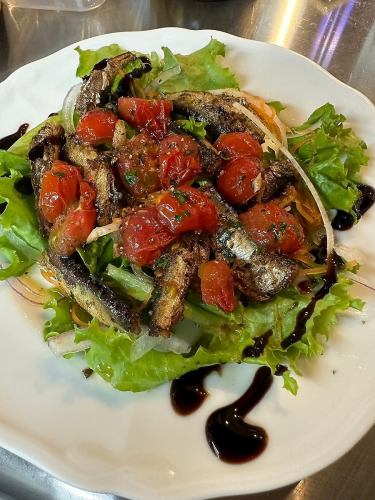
(110, 352)
(199, 70)
(20, 240)
(61, 320)
(332, 156)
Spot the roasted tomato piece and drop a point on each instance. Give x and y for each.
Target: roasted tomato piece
(179, 160)
(187, 209)
(149, 114)
(59, 188)
(138, 165)
(237, 145)
(217, 285)
(236, 182)
(72, 229)
(97, 126)
(273, 227)
(144, 237)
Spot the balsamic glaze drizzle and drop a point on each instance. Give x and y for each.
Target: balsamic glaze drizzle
(228, 435)
(8, 141)
(188, 392)
(329, 279)
(256, 350)
(344, 220)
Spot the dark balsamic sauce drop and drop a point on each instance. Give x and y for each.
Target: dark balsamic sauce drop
(344, 220)
(188, 392)
(280, 369)
(228, 435)
(8, 141)
(366, 200)
(329, 279)
(256, 350)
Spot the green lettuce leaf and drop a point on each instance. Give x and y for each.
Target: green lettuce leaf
(199, 70)
(20, 241)
(277, 106)
(88, 58)
(332, 156)
(110, 354)
(62, 320)
(98, 254)
(193, 127)
(22, 146)
(11, 161)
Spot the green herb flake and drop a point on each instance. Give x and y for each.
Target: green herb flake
(131, 177)
(180, 196)
(162, 262)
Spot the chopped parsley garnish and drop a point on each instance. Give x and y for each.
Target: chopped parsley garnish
(179, 217)
(162, 262)
(180, 196)
(278, 231)
(131, 177)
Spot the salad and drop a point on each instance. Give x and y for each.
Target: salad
(181, 222)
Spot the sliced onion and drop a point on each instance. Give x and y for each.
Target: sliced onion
(142, 345)
(26, 292)
(64, 344)
(68, 108)
(361, 281)
(250, 100)
(173, 344)
(98, 232)
(299, 169)
(163, 77)
(145, 343)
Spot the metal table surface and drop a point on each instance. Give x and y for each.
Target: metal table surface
(337, 34)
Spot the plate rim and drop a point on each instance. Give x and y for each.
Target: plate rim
(229, 487)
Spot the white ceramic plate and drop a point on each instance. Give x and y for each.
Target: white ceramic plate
(89, 435)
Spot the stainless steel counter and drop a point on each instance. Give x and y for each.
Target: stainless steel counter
(337, 34)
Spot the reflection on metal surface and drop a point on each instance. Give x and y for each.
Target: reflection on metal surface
(329, 33)
(289, 14)
(327, 5)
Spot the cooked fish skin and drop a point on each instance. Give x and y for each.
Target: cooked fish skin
(275, 178)
(92, 295)
(210, 159)
(230, 240)
(216, 110)
(183, 261)
(119, 136)
(264, 276)
(96, 88)
(96, 170)
(45, 148)
(258, 274)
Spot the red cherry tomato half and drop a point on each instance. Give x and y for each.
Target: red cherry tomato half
(87, 196)
(179, 160)
(217, 285)
(59, 188)
(97, 126)
(149, 114)
(144, 238)
(72, 230)
(236, 181)
(187, 209)
(138, 165)
(273, 227)
(237, 145)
